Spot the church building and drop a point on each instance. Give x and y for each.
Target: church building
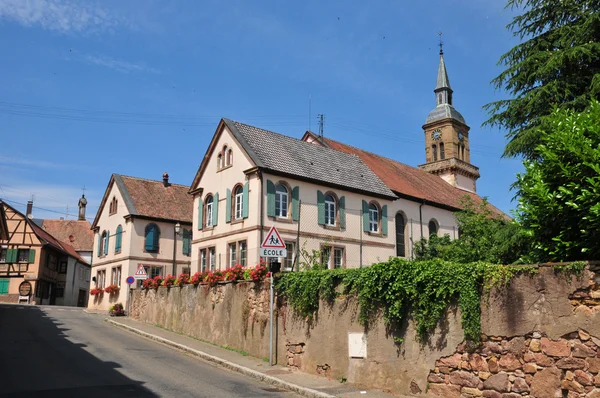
(348, 206)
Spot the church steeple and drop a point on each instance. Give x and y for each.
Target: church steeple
(447, 149)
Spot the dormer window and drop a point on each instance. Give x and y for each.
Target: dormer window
(112, 207)
(224, 158)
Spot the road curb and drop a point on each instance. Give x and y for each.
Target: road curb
(307, 392)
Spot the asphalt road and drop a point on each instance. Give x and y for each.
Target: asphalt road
(64, 352)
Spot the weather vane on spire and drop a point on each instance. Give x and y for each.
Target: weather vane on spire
(441, 43)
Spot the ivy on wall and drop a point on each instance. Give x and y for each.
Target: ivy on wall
(395, 287)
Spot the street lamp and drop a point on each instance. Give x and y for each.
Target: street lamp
(177, 233)
(177, 228)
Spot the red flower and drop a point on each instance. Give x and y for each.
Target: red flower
(110, 289)
(168, 281)
(182, 279)
(96, 291)
(234, 273)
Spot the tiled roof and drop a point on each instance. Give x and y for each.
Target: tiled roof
(148, 198)
(410, 181)
(73, 232)
(282, 154)
(62, 246)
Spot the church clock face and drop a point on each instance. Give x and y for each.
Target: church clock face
(436, 134)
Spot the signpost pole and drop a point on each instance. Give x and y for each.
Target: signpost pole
(271, 323)
(128, 297)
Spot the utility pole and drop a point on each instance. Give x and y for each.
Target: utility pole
(321, 118)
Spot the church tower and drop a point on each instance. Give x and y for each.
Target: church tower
(447, 150)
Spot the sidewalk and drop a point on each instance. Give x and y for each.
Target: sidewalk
(301, 383)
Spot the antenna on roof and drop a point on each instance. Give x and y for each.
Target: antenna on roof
(321, 118)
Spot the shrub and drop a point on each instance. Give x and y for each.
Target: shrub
(116, 310)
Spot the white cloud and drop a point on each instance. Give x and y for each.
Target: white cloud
(60, 15)
(118, 65)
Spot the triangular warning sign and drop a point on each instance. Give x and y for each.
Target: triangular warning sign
(273, 240)
(141, 271)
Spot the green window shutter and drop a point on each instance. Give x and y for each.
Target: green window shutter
(270, 199)
(245, 197)
(118, 238)
(365, 211)
(215, 210)
(149, 241)
(384, 221)
(31, 256)
(99, 244)
(4, 286)
(228, 206)
(342, 206)
(9, 254)
(200, 216)
(321, 207)
(185, 245)
(14, 257)
(295, 203)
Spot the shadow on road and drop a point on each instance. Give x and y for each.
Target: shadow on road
(39, 360)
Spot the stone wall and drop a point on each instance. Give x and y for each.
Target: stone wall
(541, 337)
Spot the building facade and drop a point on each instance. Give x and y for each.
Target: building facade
(331, 202)
(136, 225)
(37, 268)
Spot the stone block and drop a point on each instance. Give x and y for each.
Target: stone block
(511, 395)
(509, 362)
(491, 394)
(535, 345)
(559, 348)
(572, 385)
(469, 392)
(435, 378)
(452, 361)
(464, 379)
(593, 364)
(543, 360)
(516, 346)
(583, 335)
(520, 385)
(570, 363)
(547, 383)
(530, 368)
(595, 393)
(582, 351)
(484, 375)
(493, 365)
(498, 382)
(444, 390)
(478, 363)
(584, 378)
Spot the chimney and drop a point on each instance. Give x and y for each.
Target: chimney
(82, 205)
(166, 179)
(29, 209)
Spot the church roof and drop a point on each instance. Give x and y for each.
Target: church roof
(411, 182)
(442, 77)
(285, 155)
(73, 232)
(444, 111)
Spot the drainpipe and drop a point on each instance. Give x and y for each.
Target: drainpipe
(421, 217)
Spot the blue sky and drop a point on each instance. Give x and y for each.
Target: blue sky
(91, 88)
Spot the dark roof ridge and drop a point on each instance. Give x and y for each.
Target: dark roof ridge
(149, 180)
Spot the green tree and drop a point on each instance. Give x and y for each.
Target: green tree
(484, 236)
(559, 195)
(557, 64)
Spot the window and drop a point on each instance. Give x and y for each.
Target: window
(202, 260)
(462, 151)
(100, 278)
(187, 242)
(288, 262)
(112, 208)
(219, 162)
(51, 262)
(62, 269)
(212, 253)
(118, 239)
(338, 257)
(243, 253)
(3, 255)
(400, 227)
(229, 157)
(224, 156)
(4, 286)
(442, 151)
(115, 278)
(23, 255)
(81, 273)
(326, 256)
(59, 290)
(238, 202)
(209, 211)
(281, 201)
(186, 270)
(154, 271)
(232, 254)
(434, 152)
(433, 227)
(88, 273)
(103, 244)
(152, 234)
(330, 210)
(373, 218)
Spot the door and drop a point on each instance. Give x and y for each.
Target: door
(400, 227)
(81, 298)
(52, 286)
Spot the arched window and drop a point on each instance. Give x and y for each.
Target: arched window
(238, 202)
(219, 162)
(400, 235)
(225, 157)
(281, 201)
(373, 218)
(434, 151)
(330, 210)
(118, 239)
(229, 157)
(462, 150)
(103, 244)
(112, 208)
(442, 151)
(433, 227)
(439, 98)
(151, 240)
(209, 203)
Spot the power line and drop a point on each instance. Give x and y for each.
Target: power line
(41, 208)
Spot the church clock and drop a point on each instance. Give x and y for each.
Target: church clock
(436, 134)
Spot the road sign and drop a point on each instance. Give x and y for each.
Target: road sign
(141, 273)
(273, 245)
(130, 280)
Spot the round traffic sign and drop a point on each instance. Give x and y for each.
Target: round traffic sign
(130, 280)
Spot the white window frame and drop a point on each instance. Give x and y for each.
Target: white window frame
(373, 218)
(330, 211)
(340, 251)
(291, 255)
(116, 276)
(281, 202)
(239, 203)
(243, 247)
(203, 255)
(209, 211)
(232, 254)
(326, 249)
(212, 258)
